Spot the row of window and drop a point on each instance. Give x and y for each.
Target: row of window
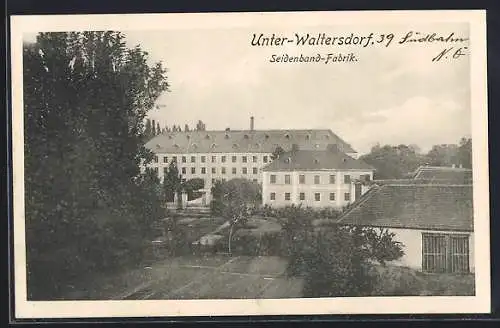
(223, 159)
(317, 179)
(203, 170)
(316, 195)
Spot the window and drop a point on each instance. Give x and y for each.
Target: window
(255, 170)
(214, 159)
(165, 171)
(332, 196)
(347, 179)
(273, 178)
(302, 179)
(214, 170)
(244, 170)
(244, 159)
(183, 180)
(347, 196)
(183, 170)
(193, 170)
(174, 159)
(233, 159)
(203, 170)
(254, 159)
(213, 181)
(287, 196)
(223, 170)
(317, 196)
(302, 196)
(183, 159)
(193, 159)
(264, 159)
(155, 170)
(223, 180)
(223, 159)
(273, 196)
(233, 170)
(332, 179)
(287, 179)
(156, 159)
(254, 180)
(203, 159)
(165, 159)
(445, 253)
(316, 179)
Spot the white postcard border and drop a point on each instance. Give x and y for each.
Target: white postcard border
(359, 305)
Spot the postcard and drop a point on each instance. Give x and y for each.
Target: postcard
(227, 164)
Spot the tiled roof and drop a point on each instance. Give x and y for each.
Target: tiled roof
(414, 206)
(311, 160)
(258, 141)
(443, 173)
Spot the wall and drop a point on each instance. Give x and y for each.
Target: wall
(218, 165)
(309, 188)
(412, 240)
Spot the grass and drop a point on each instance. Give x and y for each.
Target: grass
(403, 281)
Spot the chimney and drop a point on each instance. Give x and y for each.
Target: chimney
(251, 123)
(333, 148)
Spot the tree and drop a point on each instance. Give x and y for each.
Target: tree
(277, 152)
(465, 152)
(443, 155)
(186, 128)
(235, 200)
(200, 126)
(393, 162)
(158, 129)
(191, 187)
(153, 128)
(86, 97)
(172, 182)
(148, 131)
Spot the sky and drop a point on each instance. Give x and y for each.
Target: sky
(391, 95)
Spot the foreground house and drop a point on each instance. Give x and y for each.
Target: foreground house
(314, 178)
(229, 154)
(433, 221)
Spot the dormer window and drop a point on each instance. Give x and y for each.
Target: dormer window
(267, 136)
(235, 146)
(207, 136)
(245, 136)
(316, 161)
(226, 136)
(176, 145)
(257, 145)
(194, 146)
(158, 146)
(308, 137)
(327, 136)
(188, 136)
(213, 146)
(287, 136)
(288, 160)
(170, 136)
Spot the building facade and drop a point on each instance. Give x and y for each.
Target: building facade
(325, 178)
(228, 154)
(434, 223)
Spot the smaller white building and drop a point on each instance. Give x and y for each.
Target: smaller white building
(314, 178)
(434, 222)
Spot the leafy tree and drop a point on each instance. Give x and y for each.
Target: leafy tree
(277, 152)
(153, 129)
(393, 162)
(465, 152)
(158, 129)
(235, 200)
(186, 128)
(172, 182)
(443, 155)
(191, 186)
(148, 131)
(86, 96)
(200, 126)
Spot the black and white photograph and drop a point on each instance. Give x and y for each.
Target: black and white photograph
(250, 164)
